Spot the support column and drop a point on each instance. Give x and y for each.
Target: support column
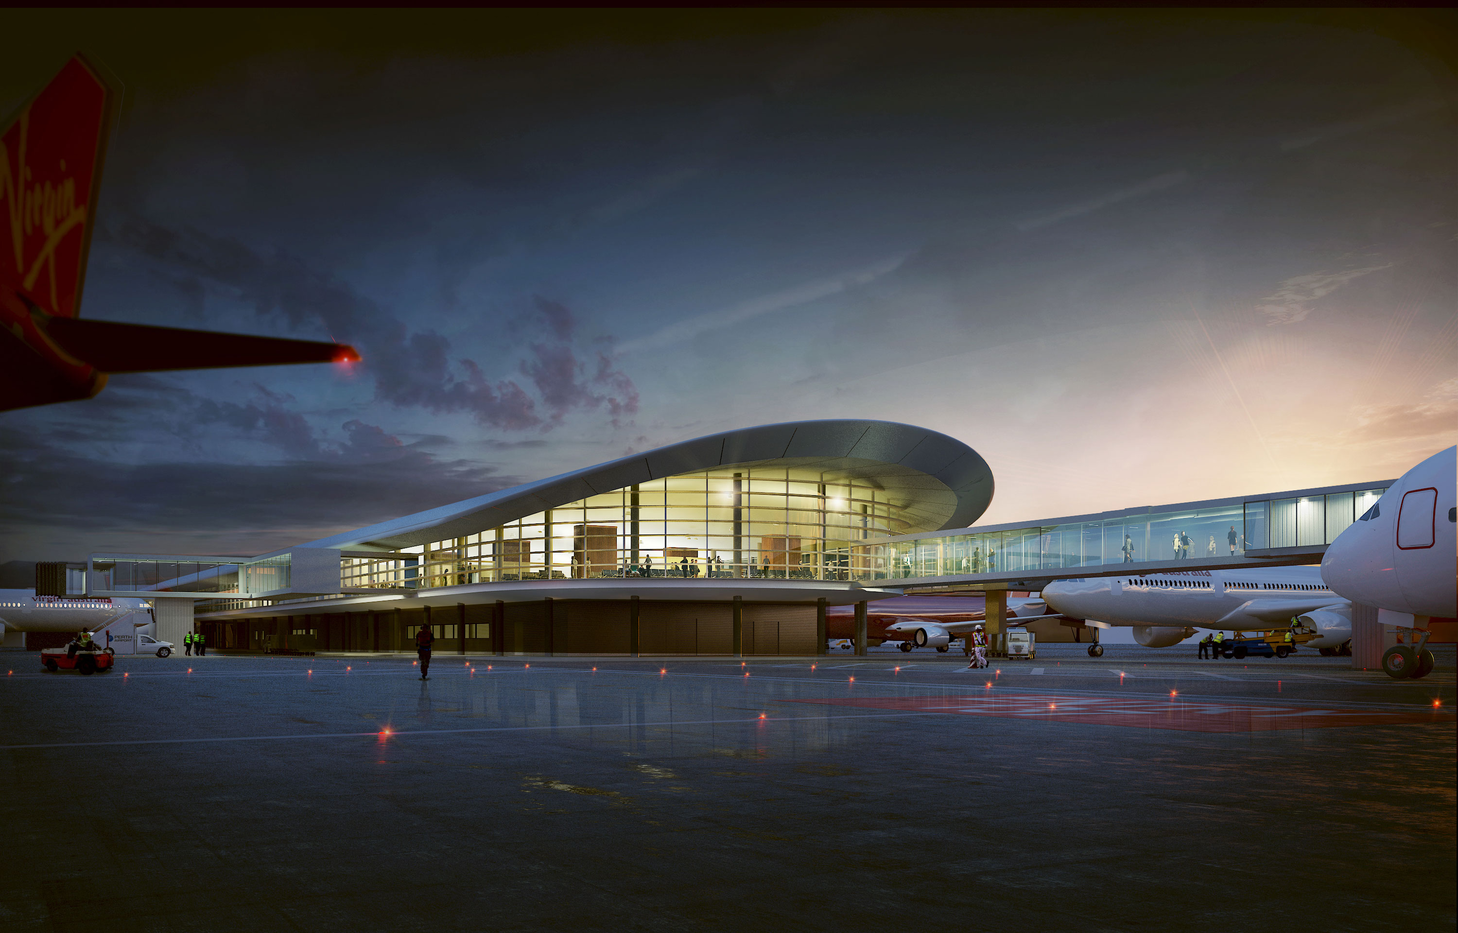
(738, 636)
(375, 628)
(861, 629)
(461, 626)
(995, 622)
(551, 627)
(633, 626)
(498, 628)
(1366, 638)
(398, 626)
(820, 626)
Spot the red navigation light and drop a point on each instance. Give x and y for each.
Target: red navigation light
(346, 354)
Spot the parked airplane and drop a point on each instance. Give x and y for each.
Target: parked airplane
(922, 621)
(51, 154)
(23, 611)
(1165, 608)
(1402, 557)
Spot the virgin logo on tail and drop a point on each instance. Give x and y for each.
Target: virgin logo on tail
(49, 160)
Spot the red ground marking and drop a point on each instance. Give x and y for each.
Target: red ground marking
(1162, 713)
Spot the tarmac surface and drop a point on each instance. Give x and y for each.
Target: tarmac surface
(1141, 791)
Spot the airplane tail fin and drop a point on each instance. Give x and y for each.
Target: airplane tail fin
(51, 155)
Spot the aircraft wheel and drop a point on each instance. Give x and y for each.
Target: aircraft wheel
(1327, 652)
(1399, 662)
(942, 650)
(906, 646)
(1425, 662)
(1095, 651)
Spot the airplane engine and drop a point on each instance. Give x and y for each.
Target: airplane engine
(1333, 626)
(931, 636)
(1161, 636)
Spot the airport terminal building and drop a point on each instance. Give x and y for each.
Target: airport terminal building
(735, 543)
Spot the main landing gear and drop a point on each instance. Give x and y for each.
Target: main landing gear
(1096, 650)
(1403, 661)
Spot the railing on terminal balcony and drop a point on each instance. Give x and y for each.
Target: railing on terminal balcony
(1257, 528)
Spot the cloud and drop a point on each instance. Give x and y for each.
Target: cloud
(1292, 298)
(1157, 183)
(1362, 124)
(688, 328)
(57, 492)
(564, 383)
(410, 368)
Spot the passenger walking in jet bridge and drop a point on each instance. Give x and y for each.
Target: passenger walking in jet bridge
(991, 560)
(1211, 548)
(1128, 549)
(1232, 537)
(683, 568)
(1176, 545)
(977, 560)
(424, 641)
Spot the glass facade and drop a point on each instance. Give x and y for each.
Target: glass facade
(734, 522)
(1137, 537)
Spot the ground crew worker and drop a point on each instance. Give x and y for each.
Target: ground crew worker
(424, 641)
(1219, 644)
(979, 648)
(200, 643)
(1205, 647)
(1290, 636)
(187, 644)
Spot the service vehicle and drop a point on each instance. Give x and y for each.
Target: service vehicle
(146, 643)
(83, 662)
(1021, 643)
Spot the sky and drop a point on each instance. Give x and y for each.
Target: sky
(1131, 259)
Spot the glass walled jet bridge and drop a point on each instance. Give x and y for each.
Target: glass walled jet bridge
(1266, 530)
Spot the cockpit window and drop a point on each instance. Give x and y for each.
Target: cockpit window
(1371, 513)
(1453, 514)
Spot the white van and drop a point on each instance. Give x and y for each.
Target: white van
(1021, 643)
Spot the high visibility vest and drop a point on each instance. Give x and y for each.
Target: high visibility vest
(1220, 638)
(1290, 638)
(187, 639)
(198, 639)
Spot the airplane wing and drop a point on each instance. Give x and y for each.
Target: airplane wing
(51, 155)
(1257, 613)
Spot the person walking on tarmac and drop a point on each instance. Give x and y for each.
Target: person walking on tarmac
(424, 641)
(979, 648)
(199, 644)
(1218, 645)
(187, 644)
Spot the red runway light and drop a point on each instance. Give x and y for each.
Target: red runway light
(1052, 706)
(526, 665)
(1437, 703)
(488, 668)
(189, 670)
(1172, 693)
(348, 668)
(661, 670)
(746, 673)
(989, 685)
(761, 715)
(898, 670)
(853, 680)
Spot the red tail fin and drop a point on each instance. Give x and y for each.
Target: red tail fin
(50, 165)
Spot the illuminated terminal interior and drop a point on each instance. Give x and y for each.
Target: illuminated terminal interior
(768, 521)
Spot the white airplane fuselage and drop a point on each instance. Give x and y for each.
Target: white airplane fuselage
(1232, 600)
(1400, 555)
(23, 611)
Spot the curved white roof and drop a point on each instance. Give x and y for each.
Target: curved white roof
(939, 481)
